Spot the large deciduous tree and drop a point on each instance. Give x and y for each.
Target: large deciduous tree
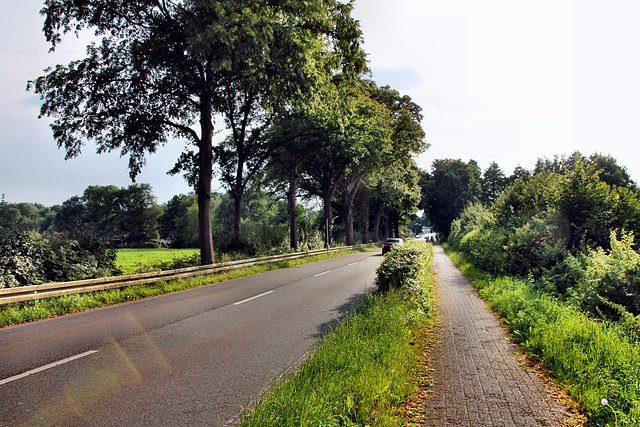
(126, 216)
(397, 184)
(163, 69)
(295, 136)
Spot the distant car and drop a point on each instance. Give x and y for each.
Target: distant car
(386, 247)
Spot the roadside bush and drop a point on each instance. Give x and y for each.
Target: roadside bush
(610, 277)
(403, 266)
(29, 258)
(20, 259)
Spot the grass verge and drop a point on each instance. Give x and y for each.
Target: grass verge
(596, 361)
(362, 372)
(134, 261)
(17, 313)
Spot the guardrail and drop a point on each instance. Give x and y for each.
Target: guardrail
(48, 290)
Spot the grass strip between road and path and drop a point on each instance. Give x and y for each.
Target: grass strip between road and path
(597, 362)
(17, 313)
(366, 370)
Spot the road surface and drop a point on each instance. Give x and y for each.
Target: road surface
(195, 357)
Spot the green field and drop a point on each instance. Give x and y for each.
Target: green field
(133, 261)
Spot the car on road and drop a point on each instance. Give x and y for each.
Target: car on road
(386, 246)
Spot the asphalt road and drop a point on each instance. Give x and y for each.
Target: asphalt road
(195, 357)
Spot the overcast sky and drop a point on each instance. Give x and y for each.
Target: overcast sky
(498, 80)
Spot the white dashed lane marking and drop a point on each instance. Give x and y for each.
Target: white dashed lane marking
(252, 298)
(49, 366)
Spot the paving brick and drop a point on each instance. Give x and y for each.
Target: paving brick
(478, 377)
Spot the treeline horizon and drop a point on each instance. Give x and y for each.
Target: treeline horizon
(469, 184)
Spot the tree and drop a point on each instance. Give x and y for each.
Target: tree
(179, 221)
(250, 106)
(102, 215)
(610, 172)
(407, 139)
(71, 217)
(295, 137)
(493, 183)
(323, 170)
(406, 117)
(17, 217)
(368, 146)
(139, 215)
(124, 216)
(606, 166)
(306, 143)
(519, 173)
(163, 69)
(453, 185)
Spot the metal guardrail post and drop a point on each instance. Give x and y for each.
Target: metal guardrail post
(48, 290)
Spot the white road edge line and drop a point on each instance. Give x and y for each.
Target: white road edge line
(49, 366)
(252, 298)
(353, 263)
(320, 274)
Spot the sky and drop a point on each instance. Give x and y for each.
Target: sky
(508, 81)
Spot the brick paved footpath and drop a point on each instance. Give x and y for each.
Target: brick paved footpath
(479, 380)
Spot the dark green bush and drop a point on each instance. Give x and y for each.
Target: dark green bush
(30, 258)
(403, 266)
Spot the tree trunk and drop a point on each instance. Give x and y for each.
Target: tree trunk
(348, 223)
(376, 224)
(237, 193)
(205, 175)
(327, 195)
(364, 218)
(396, 224)
(237, 220)
(348, 196)
(291, 208)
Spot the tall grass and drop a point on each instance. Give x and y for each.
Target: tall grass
(596, 361)
(361, 373)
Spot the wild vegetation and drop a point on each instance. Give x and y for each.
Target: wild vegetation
(362, 372)
(559, 263)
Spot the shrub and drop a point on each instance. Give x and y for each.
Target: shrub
(29, 258)
(402, 267)
(20, 259)
(610, 277)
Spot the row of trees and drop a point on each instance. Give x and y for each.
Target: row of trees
(130, 217)
(76, 240)
(452, 184)
(287, 77)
